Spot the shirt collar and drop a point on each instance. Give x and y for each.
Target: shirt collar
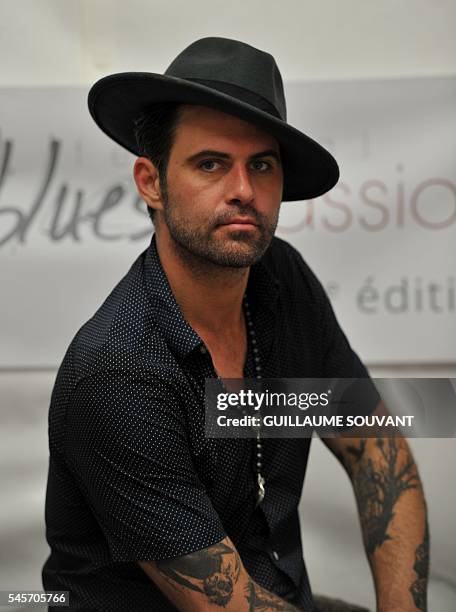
(262, 291)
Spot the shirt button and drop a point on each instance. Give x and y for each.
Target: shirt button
(275, 554)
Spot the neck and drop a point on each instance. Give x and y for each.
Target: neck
(209, 295)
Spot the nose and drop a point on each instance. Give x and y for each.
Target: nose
(239, 185)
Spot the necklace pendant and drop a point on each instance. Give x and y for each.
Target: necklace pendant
(261, 490)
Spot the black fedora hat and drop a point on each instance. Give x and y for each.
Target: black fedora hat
(232, 77)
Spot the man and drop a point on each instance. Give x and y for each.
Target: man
(143, 511)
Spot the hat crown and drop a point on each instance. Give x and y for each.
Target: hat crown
(227, 75)
(233, 63)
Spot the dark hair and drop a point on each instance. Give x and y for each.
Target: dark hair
(154, 132)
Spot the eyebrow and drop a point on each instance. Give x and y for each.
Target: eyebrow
(222, 155)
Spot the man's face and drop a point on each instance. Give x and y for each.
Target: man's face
(224, 188)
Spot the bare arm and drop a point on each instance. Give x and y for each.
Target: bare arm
(393, 517)
(212, 579)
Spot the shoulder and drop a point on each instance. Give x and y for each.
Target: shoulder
(292, 271)
(120, 336)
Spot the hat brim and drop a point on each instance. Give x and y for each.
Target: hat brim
(117, 100)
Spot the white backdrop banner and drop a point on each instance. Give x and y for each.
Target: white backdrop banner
(382, 241)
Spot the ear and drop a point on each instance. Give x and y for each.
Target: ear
(147, 182)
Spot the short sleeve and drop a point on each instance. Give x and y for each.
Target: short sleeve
(340, 361)
(127, 447)
(336, 358)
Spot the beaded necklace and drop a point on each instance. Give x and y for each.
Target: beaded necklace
(259, 447)
(259, 455)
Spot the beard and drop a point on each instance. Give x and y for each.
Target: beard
(204, 243)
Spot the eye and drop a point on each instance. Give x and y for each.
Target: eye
(260, 165)
(209, 165)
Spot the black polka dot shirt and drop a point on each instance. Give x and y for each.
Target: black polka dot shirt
(132, 475)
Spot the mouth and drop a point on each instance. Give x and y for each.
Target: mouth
(240, 223)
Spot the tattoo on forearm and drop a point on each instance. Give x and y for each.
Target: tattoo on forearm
(212, 571)
(421, 567)
(378, 487)
(264, 601)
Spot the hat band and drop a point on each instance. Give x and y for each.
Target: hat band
(235, 91)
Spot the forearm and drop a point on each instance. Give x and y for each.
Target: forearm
(213, 578)
(262, 599)
(393, 517)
